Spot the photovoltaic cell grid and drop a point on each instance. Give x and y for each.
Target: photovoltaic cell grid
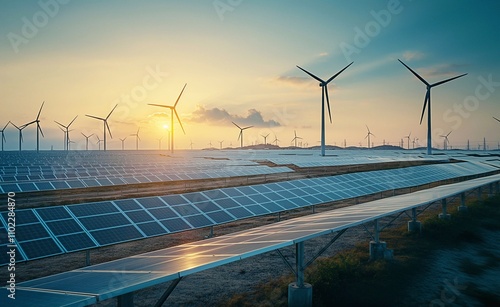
(148, 269)
(49, 231)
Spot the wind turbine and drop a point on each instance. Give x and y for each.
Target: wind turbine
(240, 136)
(69, 144)
(407, 137)
(38, 128)
(427, 100)
(210, 144)
(368, 135)
(159, 143)
(98, 141)
(276, 140)
(296, 138)
(172, 111)
(20, 133)
(87, 140)
(66, 135)
(105, 124)
(123, 142)
(324, 92)
(265, 138)
(137, 138)
(3, 135)
(191, 144)
(446, 141)
(220, 143)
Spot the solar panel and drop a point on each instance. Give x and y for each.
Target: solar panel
(127, 204)
(162, 213)
(184, 210)
(92, 209)
(76, 241)
(116, 235)
(175, 225)
(40, 248)
(220, 217)
(206, 206)
(198, 221)
(104, 221)
(152, 229)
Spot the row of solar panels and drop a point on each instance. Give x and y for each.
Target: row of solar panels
(50, 231)
(66, 182)
(96, 283)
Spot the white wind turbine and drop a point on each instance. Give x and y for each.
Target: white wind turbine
(3, 140)
(66, 132)
(137, 138)
(446, 140)
(368, 135)
(105, 123)
(407, 137)
(172, 111)
(86, 140)
(240, 136)
(324, 92)
(296, 138)
(427, 101)
(123, 142)
(265, 138)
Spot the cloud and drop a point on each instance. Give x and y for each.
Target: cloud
(221, 116)
(410, 55)
(444, 70)
(294, 81)
(323, 54)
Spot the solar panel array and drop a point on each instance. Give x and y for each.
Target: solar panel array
(50, 231)
(98, 282)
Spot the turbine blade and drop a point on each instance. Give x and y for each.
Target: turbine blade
(26, 125)
(179, 120)
(180, 95)
(59, 124)
(107, 126)
(239, 135)
(321, 81)
(236, 125)
(416, 75)
(15, 126)
(40, 111)
(498, 120)
(111, 111)
(159, 105)
(427, 94)
(447, 80)
(99, 118)
(9, 123)
(325, 88)
(40, 128)
(247, 127)
(72, 121)
(84, 135)
(449, 133)
(365, 137)
(335, 76)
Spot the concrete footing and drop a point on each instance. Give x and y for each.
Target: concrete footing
(378, 250)
(299, 296)
(462, 209)
(444, 216)
(414, 226)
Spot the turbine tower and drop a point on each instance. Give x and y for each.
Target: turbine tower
(427, 101)
(276, 140)
(240, 136)
(66, 134)
(220, 143)
(137, 138)
(98, 141)
(172, 111)
(105, 124)
(368, 135)
(3, 135)
(159, 143)
(296, 138)
(87, 140)
(324, 92)
(446, 141)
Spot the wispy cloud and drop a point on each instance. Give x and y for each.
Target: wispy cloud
(443, 70)
(411, 55)
(323, 54)
(223, 117)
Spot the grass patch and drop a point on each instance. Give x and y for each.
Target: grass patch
(350, 279)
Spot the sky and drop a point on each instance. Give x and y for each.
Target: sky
(238, 59)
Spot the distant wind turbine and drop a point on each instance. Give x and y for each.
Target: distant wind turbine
(265, 138)
(123, 142)
(159, 143)
(324, 92)
(105, 124)
(137, 138)
(191, 144)
(240, 136)
(220, 143)
(427, 100)
(296, 138)
(446, 140)
(66, 133)
(368, 135)
(406, 137)
(276, 140)
(172, 111)
(38, 128)
(98, 141)
(3, 135)
(20, 133)
(87, 140)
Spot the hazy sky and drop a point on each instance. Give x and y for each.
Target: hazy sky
(238, 59)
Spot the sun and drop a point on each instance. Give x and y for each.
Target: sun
(165, 126)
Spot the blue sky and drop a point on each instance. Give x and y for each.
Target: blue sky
(238, 58)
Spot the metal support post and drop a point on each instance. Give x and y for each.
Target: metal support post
(167, 293)
(462, 207)
(299, 293)
(378, 249)
(126, 300)
(444, 215)
(87, 257)
(414, 225)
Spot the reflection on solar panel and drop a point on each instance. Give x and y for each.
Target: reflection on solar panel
(149, 269)
(110, 222)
